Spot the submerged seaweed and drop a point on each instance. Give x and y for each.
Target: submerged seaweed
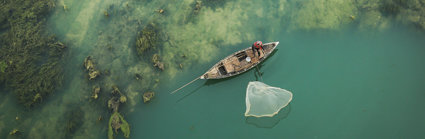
(116, 122)
(73, 121)
(149, 38)
(32, 59)
(214, 4)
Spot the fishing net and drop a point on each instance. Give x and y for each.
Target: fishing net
(263, 100)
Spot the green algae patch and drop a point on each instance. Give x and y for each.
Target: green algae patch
(323, 14)
(149, 38)
(74, 120)
(214, 4)
(3, 66)
(31, 57)
(117, 122)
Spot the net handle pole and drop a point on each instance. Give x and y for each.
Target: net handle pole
(185, 85)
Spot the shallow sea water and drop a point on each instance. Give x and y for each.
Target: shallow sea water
(351, 78)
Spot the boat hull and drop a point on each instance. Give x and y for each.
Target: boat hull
(239, 62)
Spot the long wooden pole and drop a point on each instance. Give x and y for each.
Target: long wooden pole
(185, 85)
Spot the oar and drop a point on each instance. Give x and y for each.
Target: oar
(185, 85)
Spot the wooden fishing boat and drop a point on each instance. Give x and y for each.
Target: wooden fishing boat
(236, 63)
(239, 62)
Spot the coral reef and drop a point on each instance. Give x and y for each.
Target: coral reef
(96, 91)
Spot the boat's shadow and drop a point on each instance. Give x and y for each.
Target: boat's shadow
(269, 122)
(258, 75)
(206, 83)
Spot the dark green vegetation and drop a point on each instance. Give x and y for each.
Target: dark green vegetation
(30, 58)
(117, 122)
(149, 38)
(390, 8)
(73, 121)
(410, 11)
(214, 4)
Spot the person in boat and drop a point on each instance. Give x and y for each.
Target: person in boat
(257, 46)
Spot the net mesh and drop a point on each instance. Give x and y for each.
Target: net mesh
(263, 100)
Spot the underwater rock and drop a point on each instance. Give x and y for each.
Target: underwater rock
(113, 104)
(106, 13)
(352, 17)
(93, 74)
(116, 99)
(115, 90)
(138, 76)
(100, 118)
(96, 91)
(123, 99)
(147, 96)
(197, 8)
(116, 122)
(157, 63)
(89, 65)
(37, 97)
(160, 11)
(14, 132)
(65, 7)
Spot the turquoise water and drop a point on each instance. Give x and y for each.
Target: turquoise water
(346, 84)
(354, 72)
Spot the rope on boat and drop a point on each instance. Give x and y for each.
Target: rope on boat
(185, 85)
(259, 73)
